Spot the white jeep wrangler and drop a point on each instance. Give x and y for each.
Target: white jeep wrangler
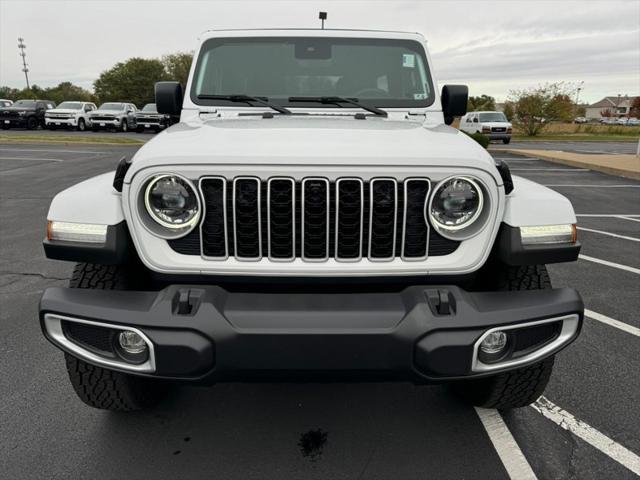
(312, 216)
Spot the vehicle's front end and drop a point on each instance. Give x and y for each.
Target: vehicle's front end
(149, 119)
(67, 115)
(17, 115)
(320, 241)
(108, 116)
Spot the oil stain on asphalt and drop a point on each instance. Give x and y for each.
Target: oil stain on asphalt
(312, 443)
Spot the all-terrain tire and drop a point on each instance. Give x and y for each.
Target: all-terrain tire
(99, 387)
(520, 387)
(82, 126)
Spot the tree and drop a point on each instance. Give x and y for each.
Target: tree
(607, 113)
(177, 66)
(508, 110)
(483, 102)
(536, 107)
(130, 81)
(68, 91)
(634, 111)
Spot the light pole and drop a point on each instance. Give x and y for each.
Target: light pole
(578, 96)
(21, 47)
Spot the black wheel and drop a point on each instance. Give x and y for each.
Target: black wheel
(124, 126)
(520, 387)
(506, 141)
(81, 125)
(100, 387)
(32, 123)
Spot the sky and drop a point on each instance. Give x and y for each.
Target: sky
(492, 46)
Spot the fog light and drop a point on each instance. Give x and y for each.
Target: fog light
(494, 343)
(131, 342)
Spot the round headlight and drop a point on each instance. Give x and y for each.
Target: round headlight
(172, 202)
(455, 204)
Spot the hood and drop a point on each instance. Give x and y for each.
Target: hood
(107, 112)
(18, 109)
(341, 140)
(63, 110)
(147, 114)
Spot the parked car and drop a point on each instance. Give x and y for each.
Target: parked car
(149, 118)
(633, 122)
(25, 113)
(608, 121)
(492, 124)
(313, 227)
(70, 114)
(580, 120)
(621, 121)
(114, 115)
(5, 103)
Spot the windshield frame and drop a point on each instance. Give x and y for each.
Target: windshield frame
(122, 106)
(30, 103)
(503, 120)
(414, 45)
(80, 105)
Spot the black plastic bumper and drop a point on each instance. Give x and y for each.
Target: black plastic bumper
(207, 333)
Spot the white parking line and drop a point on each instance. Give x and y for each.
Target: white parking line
(612, 322)
(514, 461)
(626, 216)
(610, 264)
(33, 159)
(48, 150)
(595, 186)
(593, 437)
(624, 237)
(550, 170)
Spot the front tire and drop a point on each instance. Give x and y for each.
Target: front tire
(32, 123)
(124, 126)
(506, 141)
(520, 387)
(82, 126)
(100, 387)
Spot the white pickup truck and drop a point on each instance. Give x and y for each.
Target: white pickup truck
(492, 124)
(314, 216)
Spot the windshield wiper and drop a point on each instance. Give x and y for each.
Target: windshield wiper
(246, 99)
(340, 100)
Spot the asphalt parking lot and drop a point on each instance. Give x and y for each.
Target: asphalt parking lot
(337, 431)
(575, 147)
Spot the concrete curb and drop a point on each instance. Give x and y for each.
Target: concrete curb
(628, 165)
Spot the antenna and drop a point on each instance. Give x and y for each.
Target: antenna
(21, 47)
(323, 17)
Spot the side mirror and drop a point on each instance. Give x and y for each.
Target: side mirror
(169, 97)
(454, 102)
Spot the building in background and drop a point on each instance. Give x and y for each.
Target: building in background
(617, 106)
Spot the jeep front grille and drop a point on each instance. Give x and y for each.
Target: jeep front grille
(314, 219)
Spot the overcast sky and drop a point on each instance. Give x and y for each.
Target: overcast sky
(492, 46)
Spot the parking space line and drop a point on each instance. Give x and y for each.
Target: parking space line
(610, 264)
(550, 170)
(624, 237)
(595, 186)
(593, 437)
(612, 322)
(627, 216)
(514, 461)
(33, 159)
(49, 150)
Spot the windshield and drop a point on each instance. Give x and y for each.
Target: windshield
(380, 72)
(25, 103)
(112, 106)
(71, 105)
(493, 117)
(150, 107)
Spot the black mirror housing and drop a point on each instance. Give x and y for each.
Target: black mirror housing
(454, 102)
(169, 97)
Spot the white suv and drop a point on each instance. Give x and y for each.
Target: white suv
(70, 114)
(492, 124)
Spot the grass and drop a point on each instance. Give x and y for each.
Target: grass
(68, 139)
(583, 133)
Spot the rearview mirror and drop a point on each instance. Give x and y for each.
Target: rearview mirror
(454, 102)
(169, 97)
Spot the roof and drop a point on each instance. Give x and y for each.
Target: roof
(311, 32)
(612, 101)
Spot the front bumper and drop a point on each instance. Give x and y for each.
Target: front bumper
(13, 121)
(61, 122)
(209, 334)
(498, 135)
(114, 123)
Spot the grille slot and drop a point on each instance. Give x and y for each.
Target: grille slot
(247, 218)
(281, 228)
(214, 224)
(383, 213)
(315, 219)
(415, 235)
(97, 339)
(349, 218)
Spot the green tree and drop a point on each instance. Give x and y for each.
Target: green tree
(483, 102)
(130, 81)
(634, 111)
(177, 66)
(68, 91)
(509, 111)
(536, 107)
